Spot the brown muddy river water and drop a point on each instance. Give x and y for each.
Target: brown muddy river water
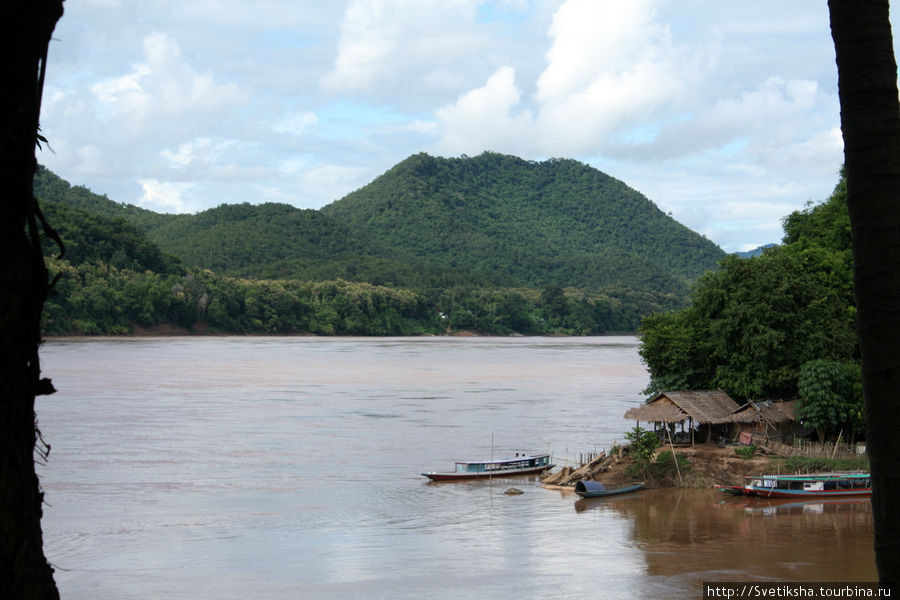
(278, 468)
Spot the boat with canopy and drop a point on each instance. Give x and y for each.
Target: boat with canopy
(520, 465)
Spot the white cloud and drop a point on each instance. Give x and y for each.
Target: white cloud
(609, 66)
(150, 122)
(597, 40)
(481, 119)
(197, 150)
(775, 114)
(109, 91)
(824, 147)
(163, 93)
(407, 47)
(330, 182)
(297, 123)
(418, 126)
(90, 158)
(365, 43)
(771, 106)
(307, 184)
(163, 196)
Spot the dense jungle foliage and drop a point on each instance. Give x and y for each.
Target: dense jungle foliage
(780, 325)
(512, 261)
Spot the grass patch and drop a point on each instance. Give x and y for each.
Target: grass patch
(808, 464)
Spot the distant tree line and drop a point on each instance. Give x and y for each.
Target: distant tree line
(100, 299)
(112, 280)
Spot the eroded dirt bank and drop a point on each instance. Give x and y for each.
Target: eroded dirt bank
(706, 465)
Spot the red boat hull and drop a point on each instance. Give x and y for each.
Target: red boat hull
(777, 493)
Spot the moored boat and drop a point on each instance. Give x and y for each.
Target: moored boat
(595, 489)
(520, 465)
(735, 490)
(817, 485)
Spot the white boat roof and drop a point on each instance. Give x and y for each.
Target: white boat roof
(501, 461)
(794, 476)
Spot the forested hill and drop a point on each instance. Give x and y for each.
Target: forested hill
(492, 244)
(491, 220)
(535, 223)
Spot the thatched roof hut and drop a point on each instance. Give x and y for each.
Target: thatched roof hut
(710, 406)
(762, 419)
(768, 411)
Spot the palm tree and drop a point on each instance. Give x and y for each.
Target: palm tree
(870, 122)
(25, 29)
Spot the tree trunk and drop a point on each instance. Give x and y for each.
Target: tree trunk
(26, 27)
(870, 121)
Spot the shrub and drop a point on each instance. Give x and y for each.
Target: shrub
(643, 443)
(746, 452)
(660, 472)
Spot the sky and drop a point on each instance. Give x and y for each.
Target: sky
(724, 114)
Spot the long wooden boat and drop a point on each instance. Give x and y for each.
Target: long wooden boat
(817, 485)
(595, 489)
(520, 465)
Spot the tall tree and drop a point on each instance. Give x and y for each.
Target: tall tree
(870, 122)
(25, 29)
(830, 396)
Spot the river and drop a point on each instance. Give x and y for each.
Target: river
(290, 467)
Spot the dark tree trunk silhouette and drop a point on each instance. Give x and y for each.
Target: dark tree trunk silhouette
(25, 29)
(870, 121)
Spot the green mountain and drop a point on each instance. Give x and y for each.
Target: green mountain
(491, 220)
(519, 222)
(50, 188)
(89, 237)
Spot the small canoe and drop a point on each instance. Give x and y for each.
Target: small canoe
(595, 489)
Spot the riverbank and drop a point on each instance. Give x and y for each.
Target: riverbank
(699, 467)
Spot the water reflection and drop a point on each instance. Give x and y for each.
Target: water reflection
(696, 536)
(859, 508)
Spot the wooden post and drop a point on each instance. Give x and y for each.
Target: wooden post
(675, 457)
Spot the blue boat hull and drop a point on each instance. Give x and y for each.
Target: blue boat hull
(594, 489)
